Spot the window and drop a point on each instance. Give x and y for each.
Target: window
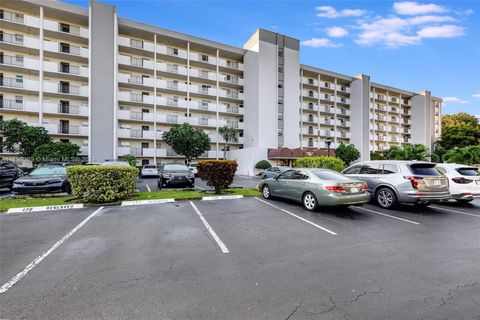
(286, 175)
(280, 52)
(65, 27)
(424, 169)
(19, 79)
(371, 169)
(136, 43)
(468, 171)
(280, 116)
(353, 170)
(390, 168)
(280, 100)
(280, 68)
(299, 175)
(280, 83)
(328, 175)
(19, 99)
(204, 58)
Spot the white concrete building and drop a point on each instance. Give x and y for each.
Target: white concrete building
(113, 86)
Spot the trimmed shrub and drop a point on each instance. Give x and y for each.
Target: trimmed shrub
(217, 173)
(101, 184)
(331, 163)
(263, 164)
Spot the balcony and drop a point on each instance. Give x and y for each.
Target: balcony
(72, 50)
(172, 68)
(19, 61)
(65, 28)
(343, 100)
(134, 97)
(310, 82)
(230, 64)
(56, 67)
(344, 112)
(311, 107)
(66, 129)
(56, 108)
(19, 105)
(310, 94)
(51, 87)
(170, 51)
(343, 88)
(310, 119)
(135, 43)
(19, 83)
(327, 85)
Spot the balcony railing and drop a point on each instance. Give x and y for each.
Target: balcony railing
(136, 62)
(69, 29)
(11, 104)
(232, 124)
(68, 129)
(69, 69)
(233, 109)
(232, 94)
(65, 88)
(172, 119)
(171, 153)
(203, 90)
(135, 80)
(12, 16)
(172, 102)
(135, 133)
(12, 38)
(68, 109)
(203, 105)
(203, 122)
(11, 82)
(232, 64)
(172, 68)
(135, 97)
(135, 115)
(69, 49)
(172, 85)
(12, 60)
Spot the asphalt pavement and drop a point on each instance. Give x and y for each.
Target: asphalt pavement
(168, 261)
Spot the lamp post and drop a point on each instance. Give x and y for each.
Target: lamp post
(328, 142)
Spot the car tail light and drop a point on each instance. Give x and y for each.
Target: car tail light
(414, 180)
(365, 187)
(335, 188)
(461, 180)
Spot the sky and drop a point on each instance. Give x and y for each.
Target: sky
(429, 45)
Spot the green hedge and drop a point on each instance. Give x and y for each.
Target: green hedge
(217, 173)
(101, 184)
(331, 163)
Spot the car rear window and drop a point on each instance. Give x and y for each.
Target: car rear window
(468, 171)
(150, 167)
(49, 171)
(175, 167)
(193, 165)
(424, 169)
(327, 175)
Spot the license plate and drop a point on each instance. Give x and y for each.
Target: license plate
(437, 182)
(354, 190)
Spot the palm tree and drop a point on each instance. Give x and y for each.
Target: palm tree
(228, 134)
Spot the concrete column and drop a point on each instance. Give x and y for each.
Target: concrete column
(217, 102)
(103, 82)
(155, 99)
(40, 73)
(360, 128)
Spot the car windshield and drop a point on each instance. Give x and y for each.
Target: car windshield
(468, 171)
(49, 171)
(175, 167)
(424, 169)
(328, 175)
(150, 167)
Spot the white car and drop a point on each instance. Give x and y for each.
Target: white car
(193, 168)
(149, 170)
(464, 181)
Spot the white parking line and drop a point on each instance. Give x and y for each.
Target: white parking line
(387, 215)
(39, 259)
(455, 211)
(222, 246)
(298, 217)
(148, 187)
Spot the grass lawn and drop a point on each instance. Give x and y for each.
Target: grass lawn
(6, 204)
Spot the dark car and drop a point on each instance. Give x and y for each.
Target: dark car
(45, 179)
(175, 175)
(9, 171)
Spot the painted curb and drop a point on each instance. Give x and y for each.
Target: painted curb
(141, 202)
(46, 208)
(222, 197)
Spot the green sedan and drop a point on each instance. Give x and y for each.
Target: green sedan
(315, 187)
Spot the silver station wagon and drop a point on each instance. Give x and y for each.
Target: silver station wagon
(315, 187)
(391, 182)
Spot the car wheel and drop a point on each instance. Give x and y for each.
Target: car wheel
(310, 201)
(386, 198)
(464, 201)
(266, 192)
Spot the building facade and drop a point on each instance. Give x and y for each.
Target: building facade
(113, 86)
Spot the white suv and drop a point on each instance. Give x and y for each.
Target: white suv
(464, 181)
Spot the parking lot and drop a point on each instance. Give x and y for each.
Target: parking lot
(241, 259)
(150, 183)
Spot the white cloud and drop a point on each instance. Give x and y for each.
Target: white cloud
(430, 19)
(414, 8)
(445, 31)
(317, 42)
(331, 12)
(476, 95)
(453, 100)
(337, 32)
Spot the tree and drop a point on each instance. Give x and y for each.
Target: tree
(408, 152)
(347, 152)
(131, 159)
(459, 130)
(263, 164)
(377, 156)
(228, 134)
(22, 138)
(467, 155)
(56, 151)
(187, 140)
(218, 174)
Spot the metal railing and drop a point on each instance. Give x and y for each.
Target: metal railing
(172, 85)
(68, 109)
(172, 119)
(69, 69)
(69, 49)
(233, 109)
(232, 94)
(12, 16)
(172, 102)
(232, 64)
(68, 129)
(135, 133)
(12, 60)
(203, 105)
(65, 88)
(11, 104)
(137, 62)
(12, 38)
(135, 115)
(11, 82)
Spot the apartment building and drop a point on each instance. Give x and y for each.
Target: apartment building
(113, 86)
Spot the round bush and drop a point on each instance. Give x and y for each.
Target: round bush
(101, 184)
(217, 173)
(263, 164)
